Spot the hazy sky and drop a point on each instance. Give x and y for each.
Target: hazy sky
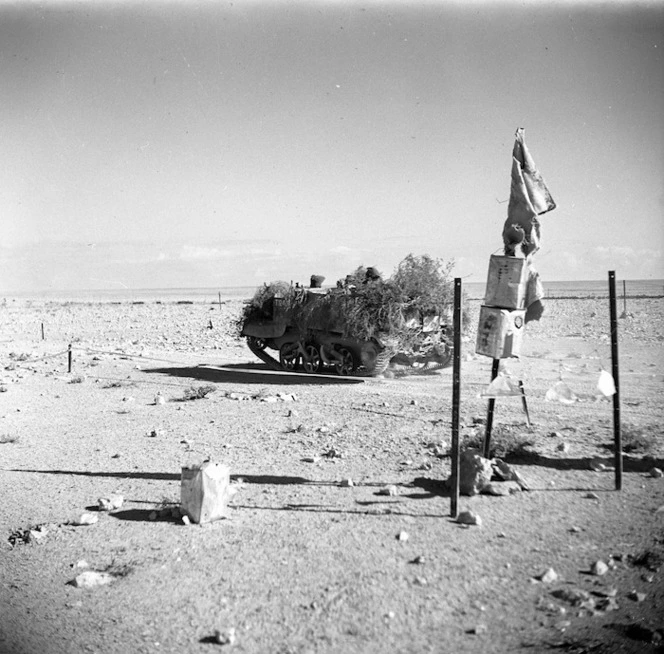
(181, 144)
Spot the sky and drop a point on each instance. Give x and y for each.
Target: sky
(213, 144)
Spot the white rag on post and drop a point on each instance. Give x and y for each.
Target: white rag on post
(529, 198)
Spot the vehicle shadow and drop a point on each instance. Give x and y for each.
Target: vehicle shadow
(252, 374)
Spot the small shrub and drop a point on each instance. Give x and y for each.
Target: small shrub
(198, 393)
(120, 384)
(506, 443)
(77, 380)
(637, 439)
(118, 569)
(8, 438)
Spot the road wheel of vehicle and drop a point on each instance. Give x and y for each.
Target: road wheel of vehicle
(347, 364)
(311, 359)
(289, 355)
(256, 343)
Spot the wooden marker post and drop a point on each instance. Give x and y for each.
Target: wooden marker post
(617, 436)
(456, 394)
(489, 414)
(42, 331)
(524, 403)
(219, 300)
(69, 356)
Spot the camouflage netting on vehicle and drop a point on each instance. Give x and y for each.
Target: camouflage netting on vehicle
(364, 306)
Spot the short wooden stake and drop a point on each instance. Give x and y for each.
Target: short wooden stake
(624, 299)
(617, 436)
(489, 415)
(42, 330)
(219, 300)
(524, 403)
(456, 395)
(69, 358)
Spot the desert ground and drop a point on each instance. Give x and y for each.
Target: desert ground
(308, 561)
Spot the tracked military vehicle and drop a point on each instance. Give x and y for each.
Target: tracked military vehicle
(350, 329)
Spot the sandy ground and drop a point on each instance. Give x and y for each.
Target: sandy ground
(303, 563)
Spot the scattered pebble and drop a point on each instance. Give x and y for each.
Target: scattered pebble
(607, 604)
(550, 607)
(656, 473)
(597, 466)
(611, 592)
(637, 597)
(418, 560)
(548, 576)
(389, 490)
(403, 536)
(346, 483)
(599, 568)
(574, 596)
(224, 636)
(469, 518)
(36, 535)
(477, 630)
(591, 496)
(86, 519)
(91, 579)
(110, 503)
(563, 447)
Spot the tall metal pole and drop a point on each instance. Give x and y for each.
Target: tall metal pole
(617, 437)
(456, 398)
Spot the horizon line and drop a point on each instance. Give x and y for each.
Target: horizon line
(220, 288)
